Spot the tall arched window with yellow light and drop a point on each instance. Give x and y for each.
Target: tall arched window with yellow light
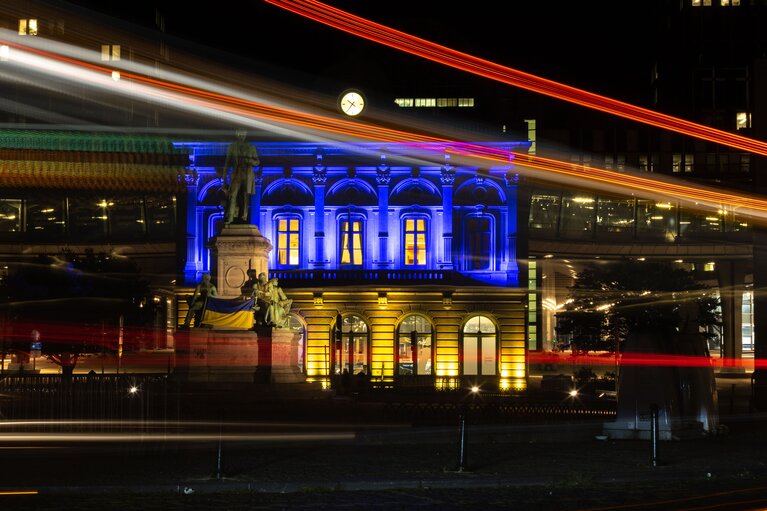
(352, 352)
(351, 230)
(415, 241)
(288, 241)
(480, 341)
(414, 348)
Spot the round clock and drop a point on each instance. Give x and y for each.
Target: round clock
(352, 102)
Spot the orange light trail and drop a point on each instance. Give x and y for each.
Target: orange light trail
(387, 36)
(354, 129)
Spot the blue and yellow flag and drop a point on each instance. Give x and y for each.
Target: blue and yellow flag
(230, 314)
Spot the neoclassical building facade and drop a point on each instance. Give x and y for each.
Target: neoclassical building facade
(403, 267)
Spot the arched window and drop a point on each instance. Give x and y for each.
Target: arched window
(352, 352)
(296, 325)
(288, 228)
(414, 346)
(480, 341)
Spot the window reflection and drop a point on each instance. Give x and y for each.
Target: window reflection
(45, 217)
(479, 347)
(414, 346)
(544, 212)
(10, 215)
(577, 216)
(351, 354)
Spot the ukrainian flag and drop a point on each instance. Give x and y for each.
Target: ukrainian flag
(228, 314)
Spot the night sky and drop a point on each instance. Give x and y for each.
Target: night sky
(605, 45)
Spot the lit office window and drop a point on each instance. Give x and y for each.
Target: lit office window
(696, 3)
(415, 242)
(676, 163)
(27, 26)
(425, 102)
(544, 212)
(351, 242)
(10, 215)
(126, 218)
(578, 216)
(615, 215)
(288, 241)
(608, 162)
(110, 52)
(404, 102)
(742, 120)
(465, 102)
(160, 216)
(88, 217)
(447, 102)
(45, 216)
(414, 353)
(479, 347)
(745, 163)
(656, 219)
(643, 163)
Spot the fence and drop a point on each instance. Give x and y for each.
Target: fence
(92, 402)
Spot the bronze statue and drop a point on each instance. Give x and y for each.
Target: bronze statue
(197, 301)
(279, 305)
(238, 185)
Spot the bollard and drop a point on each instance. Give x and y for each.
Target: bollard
(654, 434)
(462, 467)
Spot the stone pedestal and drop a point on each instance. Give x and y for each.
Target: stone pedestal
(283, 351)
(204, 355)
(236, 249)
(217, 356)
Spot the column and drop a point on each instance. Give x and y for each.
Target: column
(510, 256)
(319, 178)
(383, 177)
(193, 265)
(731, 277)
(447, 179)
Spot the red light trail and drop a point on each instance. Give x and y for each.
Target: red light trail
(387, 36)
(63, 337)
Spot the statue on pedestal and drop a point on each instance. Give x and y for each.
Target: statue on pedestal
(238, 184)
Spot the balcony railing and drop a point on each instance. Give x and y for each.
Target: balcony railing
(311, 278)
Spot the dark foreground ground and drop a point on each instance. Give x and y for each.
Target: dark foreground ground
(331, 461)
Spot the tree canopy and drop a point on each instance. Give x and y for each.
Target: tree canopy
(610, 300)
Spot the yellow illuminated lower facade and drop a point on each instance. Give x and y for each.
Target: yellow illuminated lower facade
(393, 337)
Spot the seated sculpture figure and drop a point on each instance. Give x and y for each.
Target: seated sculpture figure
(278, 305)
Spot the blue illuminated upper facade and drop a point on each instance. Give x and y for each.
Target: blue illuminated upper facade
(365, 206)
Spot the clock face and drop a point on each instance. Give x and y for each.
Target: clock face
(352, 103)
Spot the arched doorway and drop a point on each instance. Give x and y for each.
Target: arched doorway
(351, 352)
(415, 345)
(480, 347)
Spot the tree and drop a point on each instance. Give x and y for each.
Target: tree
(612, 300)
(646, 310)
